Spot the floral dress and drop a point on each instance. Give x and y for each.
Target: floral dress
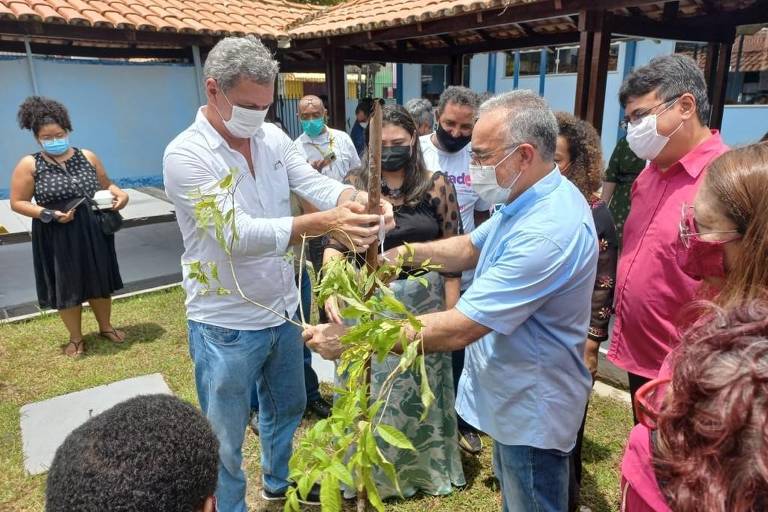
(435, 467)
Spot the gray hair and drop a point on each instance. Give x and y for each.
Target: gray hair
(421, 111)
(670, 76)
(528, 119)
(234, 58)
(458, 95)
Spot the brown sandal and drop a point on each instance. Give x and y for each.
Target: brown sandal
(108, 335)
(78, 350)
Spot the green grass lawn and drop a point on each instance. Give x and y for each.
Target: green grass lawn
(32, 369)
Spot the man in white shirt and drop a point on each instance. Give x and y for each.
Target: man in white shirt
(448, 150)
(329, 151)
(236, 345)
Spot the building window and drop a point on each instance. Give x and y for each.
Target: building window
(560, 60)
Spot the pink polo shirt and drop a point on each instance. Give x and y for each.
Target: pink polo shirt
(651, 290)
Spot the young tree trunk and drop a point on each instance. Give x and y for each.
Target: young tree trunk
(372, 256)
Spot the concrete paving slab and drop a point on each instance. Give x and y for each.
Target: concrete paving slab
(141, 205)
(148, 256)
(45, 425)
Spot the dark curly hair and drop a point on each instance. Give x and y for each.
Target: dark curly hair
(152, 452)
(37, 111)
(586, 155)
(711, 451)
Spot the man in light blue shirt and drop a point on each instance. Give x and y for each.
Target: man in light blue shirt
(524, 319)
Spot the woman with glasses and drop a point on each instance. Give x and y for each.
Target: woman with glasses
(74, 260)
(425, 209)
(723, 243)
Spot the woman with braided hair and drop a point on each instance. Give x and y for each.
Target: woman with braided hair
(702, 441)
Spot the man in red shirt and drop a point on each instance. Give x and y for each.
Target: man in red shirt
(667, 112)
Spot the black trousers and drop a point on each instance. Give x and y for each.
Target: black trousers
(635, 383)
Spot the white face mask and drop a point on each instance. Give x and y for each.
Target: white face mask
(644, 139)
(486, 185)
(244, 122)
(363, 124)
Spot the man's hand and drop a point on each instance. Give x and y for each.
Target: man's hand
(591, 350)
(63, 218)
(324, 339)
(352, 224)
(332, 310)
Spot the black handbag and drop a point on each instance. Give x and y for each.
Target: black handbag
(109, 221)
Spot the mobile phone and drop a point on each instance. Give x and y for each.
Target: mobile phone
(73, 204)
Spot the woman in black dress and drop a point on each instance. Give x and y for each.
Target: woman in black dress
(74, 260)
(580, 159)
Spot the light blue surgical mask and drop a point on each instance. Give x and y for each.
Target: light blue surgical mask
(313, 127)
(55, 147)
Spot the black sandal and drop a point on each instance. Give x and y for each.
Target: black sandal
(113, 332)
(79, 348)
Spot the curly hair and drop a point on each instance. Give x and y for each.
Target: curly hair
(586, 155)
(152, 452)
(37, 111)
(711, 451)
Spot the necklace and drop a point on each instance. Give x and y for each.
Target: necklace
(394, 193)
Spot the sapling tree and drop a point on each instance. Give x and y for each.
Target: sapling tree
(341, 449)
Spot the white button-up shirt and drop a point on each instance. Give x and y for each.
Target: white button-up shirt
(314, 148)
(196, 160)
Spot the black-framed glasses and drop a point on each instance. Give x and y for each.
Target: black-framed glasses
(638, 116)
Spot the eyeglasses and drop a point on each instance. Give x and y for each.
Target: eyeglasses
(638, 116)
(648, 401)
(689, 230)
(477, 159)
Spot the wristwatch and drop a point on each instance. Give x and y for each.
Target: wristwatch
(47, 216)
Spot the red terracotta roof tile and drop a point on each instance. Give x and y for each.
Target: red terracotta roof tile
(260, 17)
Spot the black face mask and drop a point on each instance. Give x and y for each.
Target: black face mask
(450, 143)
(394, 158)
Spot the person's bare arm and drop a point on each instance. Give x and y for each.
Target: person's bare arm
(608, 189)
(454, 254)
(23, 188)
(445, 331)
(120, 196)
(452, 291)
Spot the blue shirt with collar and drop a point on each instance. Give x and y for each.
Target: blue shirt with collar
(525, 383)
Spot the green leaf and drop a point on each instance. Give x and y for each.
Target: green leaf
(427, 397)
(341, 472)
(292, 501)
(226, 182)
(391, 472)
(371, 491)
(330, 495)
(393, 304)
(394, 437)
(305, 484)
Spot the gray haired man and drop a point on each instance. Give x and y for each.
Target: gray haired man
(236, 346)
(524, 316)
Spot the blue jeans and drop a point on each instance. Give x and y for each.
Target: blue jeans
(532, 479)
(229, 365)
(310, 377)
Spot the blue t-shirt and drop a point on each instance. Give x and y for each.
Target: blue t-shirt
(525, 383)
